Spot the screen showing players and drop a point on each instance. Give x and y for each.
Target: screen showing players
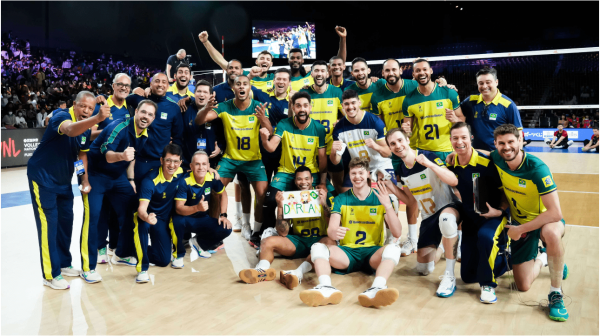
(279, 37)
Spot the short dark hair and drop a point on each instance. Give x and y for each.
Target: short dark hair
(300, 94)
(148, 102)
(359, 59)
(203, 82)
(240, 76)
(349, 94)
(60, 102)
(323, 63)
(264, 52)
(183, 65)
(286, 70)
(391, 59)
(335, 58)
(487, 71)
(460, 124)
(301, 169)
(173, 149)
(507, 129)
(296, 50)
(420, 60)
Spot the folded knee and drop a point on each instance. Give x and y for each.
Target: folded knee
(391, 252)
(319, 251)
(448, 225)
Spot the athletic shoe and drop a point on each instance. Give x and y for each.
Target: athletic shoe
(237, 223)
(548, 141)
(91, 276)
(57, 283)
(142, 277)
(177, 263)
(254, 275)
(69, 271)
(408, 247)
(269, 232)
(488, 295)
(565, 272)
(378, 297)
(558, 312)
(447, 286)
(289, 279)
(321, 296)
(110, 252)
(199, 250)
(222, 246)
(569, 143)
(255, 240)
(129, 261)
(246, 231)
(102, 256)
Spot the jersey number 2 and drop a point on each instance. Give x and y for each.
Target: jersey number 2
(430, 129)
(363, 237)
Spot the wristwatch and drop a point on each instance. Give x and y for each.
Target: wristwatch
(223, 215)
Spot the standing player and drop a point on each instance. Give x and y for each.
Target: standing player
(429, 112)
(490, 109)
(364, 85)
(153, 217)
(49, 171)
(357, 221)
(180, 89)
(304, 233)
(303, 143)
(326, 108)
(429, 181)
(535, 210)
(336, 71)
(242, 118)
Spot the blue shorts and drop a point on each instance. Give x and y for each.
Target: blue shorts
(348, 183)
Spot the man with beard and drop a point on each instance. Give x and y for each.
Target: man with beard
(241, 118)
(535, 211)
(303, 143)
(180, 89)
(364, 84)
(49, 171)
(429, 112)
(111, 161)
(326, 101)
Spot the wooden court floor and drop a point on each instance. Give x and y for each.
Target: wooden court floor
(206, 297)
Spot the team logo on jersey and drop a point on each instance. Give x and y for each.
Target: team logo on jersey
(474, 175)
(390, 104)
(163, 115)
(373, 211)
(439, 105)
(423, 176)
(311, 141)
(330, 102)
(164, 195)
(366, 133)
(439, 161)
(251, 119)
(306, 81)
(194, 196)
(522, 183)
(475, 114)
(207, 191)
(269, 84)
(420, 108)
(547, 181)
(127, 115)
(83, 140)
(110, 117)
(285, 111)
(351, 211)
(493, 116)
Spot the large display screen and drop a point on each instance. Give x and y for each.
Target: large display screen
(279, 37)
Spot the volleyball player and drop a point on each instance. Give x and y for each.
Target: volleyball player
(429, 181)
(357, 221)
(364, 85)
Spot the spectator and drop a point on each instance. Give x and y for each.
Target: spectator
(592, 144)
(587, 122)
(20, 121)
(40, 76)
(9, 119)
(41, 116)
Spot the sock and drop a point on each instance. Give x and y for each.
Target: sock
(246, 218)
(450, 266)
(238, 209)
(305, 267)
(379, 282)
(554, 289)
(257, 226)
(325, 280)
(543, 257)
(412, 232)
(263, 264)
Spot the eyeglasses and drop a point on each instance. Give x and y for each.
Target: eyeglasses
(169, 161)
(123, 85)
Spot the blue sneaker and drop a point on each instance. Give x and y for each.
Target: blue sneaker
(565, 272)
(558, 312)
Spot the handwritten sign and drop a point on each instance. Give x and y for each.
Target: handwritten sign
(301, 204)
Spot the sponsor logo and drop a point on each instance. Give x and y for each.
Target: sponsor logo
(547, 181)
(163, 115)
(439, 161)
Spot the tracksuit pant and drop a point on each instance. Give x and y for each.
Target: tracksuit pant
(53, 211)
(209, 233)
(164, 235)
(119, 193)
(108, 226)
(142, 167)
(483, 251)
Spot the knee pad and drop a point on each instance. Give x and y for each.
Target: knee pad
(319, 251)
(448, 225)
(391, 252)
(425, 268)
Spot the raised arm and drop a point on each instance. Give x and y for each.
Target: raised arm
(207, 113)
(214, 53)
(341, 31)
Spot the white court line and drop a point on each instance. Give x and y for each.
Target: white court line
(574, 173)
(580, 192)
(585, 226)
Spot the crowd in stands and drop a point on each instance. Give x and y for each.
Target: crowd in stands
(35, 80)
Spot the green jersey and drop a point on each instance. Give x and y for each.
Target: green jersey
(388, 104)
(325, 108)
(365, 94)
(365, 219)
(299, 147)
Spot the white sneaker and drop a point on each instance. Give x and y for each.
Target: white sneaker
(177, 263)
(378, 297)
(110, 251)
(321, 296)
(142, 277)
(102, 256)
(70, 271)
(199, 250)
(57, 283)
(237, 223)
(91, 276)
(408, 247)
(447, 286)
(269, 232)
(488, 295)
(290, 279)
(246, 231)
(129, 261)
(569, 143)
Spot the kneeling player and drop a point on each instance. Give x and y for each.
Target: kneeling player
(154, 216)
(191, 204)
(357, 221)
(305, 232)
(429, 182)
